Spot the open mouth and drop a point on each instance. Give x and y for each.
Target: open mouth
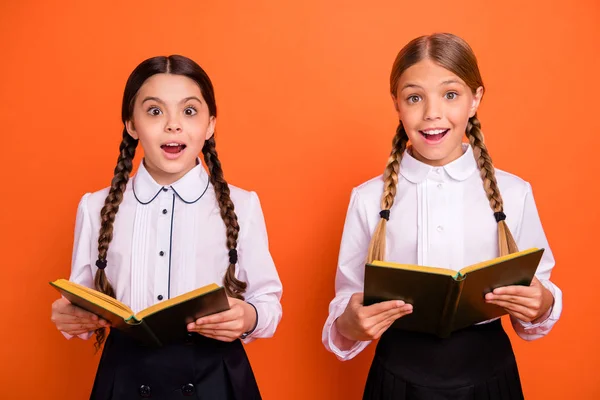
(434, 135)
(173, 148)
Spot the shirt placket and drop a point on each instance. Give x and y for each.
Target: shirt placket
(163, 245)
(437, 222)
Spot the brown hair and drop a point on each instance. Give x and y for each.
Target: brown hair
(454, 54)
(178, 65)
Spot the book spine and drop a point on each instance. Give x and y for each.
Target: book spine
(152, 339)
(450, 306)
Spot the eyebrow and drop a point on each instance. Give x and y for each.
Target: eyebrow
(450, 81)
(158, 100)
(191, 98)
(150, 98)
(410, 86)
(413, 85)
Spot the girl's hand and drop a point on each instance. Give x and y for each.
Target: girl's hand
(526, 303)
(74, 320)
(368, 323)
(229, 325)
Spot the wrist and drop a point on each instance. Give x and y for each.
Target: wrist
(547, 304)
(250, 319)
(341, 324)
(342, 339)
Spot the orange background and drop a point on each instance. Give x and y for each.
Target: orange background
(304, 115)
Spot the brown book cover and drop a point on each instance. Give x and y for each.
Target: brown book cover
(161, 323)
(445, 300)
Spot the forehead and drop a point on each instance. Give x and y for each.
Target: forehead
(427, 74)
(170, 87)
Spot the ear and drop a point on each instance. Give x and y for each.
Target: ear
(476, 101)
(210, 130)
(129, 125)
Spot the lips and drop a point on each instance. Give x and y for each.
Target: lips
(434, 135)
(173, 148)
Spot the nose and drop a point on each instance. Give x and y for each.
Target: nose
(433, 110)
(173, 128)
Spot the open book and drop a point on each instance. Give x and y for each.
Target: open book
(445, 300)
(161, 323)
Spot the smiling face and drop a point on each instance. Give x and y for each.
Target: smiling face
(434, 106)
(172, 121)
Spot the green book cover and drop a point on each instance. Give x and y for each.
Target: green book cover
(161, 323)
(445, 300)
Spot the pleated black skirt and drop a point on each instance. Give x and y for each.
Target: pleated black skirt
(199, 368)
(476, 363)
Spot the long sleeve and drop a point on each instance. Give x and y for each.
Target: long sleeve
(81, 271)
(350, 275)
(170, 240)
(531, 234)
(258, 270)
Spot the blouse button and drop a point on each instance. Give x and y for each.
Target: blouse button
(440, 228)
(188, 389)
(145, 391)
(162, 253)
(165, 211)
(160, 297)
(165, 189)
(189, 338)
(440, 186)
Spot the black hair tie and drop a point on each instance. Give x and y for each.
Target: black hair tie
(233, 256)
(101, 264)
(500, 216)
(385, 214)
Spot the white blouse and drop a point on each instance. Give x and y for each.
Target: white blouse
(169, 240)
(441, 217)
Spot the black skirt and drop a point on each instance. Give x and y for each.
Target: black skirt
(476, 363)
(199, 368)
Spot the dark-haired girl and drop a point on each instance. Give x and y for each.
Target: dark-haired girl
(171, 228)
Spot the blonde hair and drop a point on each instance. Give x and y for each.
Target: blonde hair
(454, 54)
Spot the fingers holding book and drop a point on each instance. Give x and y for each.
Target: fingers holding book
(229, 325)
(73, 320)
(368, 323)
(526, 303)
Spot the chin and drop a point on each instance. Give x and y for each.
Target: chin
(430, 156)
(176, 166)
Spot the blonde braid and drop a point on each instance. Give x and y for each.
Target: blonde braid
(390, 178)
(506, 242)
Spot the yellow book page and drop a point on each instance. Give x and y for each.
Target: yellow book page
(497, 260)
(95, 297)
(419, 268)
(176, 300)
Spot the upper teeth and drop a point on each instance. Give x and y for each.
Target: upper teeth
(434, 131)
(172, 144)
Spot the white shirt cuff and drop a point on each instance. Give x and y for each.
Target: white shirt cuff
(532, 331)
(330, 334)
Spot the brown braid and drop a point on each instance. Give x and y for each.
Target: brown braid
(233, 286)
(107, 216)
(390, 179)
(506, 242)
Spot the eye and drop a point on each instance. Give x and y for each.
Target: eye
(413, 99)
(451, 95)
(190, 110)
(154, 111)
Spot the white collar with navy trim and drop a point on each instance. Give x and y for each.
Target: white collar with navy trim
(189, 188)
